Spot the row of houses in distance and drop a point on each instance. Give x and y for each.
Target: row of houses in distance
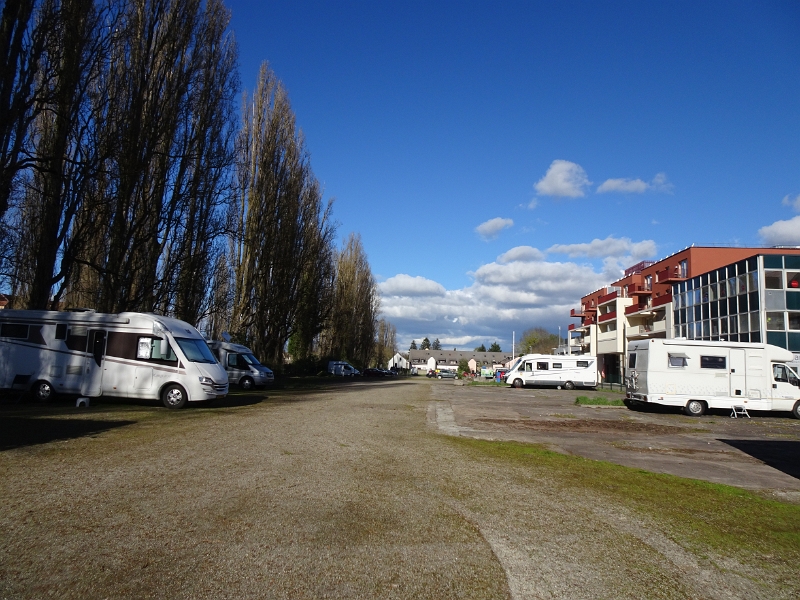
(700, 293)
(429, 360)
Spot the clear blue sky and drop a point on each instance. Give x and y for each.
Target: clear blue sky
(499, 160)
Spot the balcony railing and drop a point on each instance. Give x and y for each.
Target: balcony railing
(607, 298)
(670, 275)
(662, 300)
(607, 317)
(635, 308)
(639, 290)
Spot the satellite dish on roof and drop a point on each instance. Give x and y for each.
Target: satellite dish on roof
(226, 336)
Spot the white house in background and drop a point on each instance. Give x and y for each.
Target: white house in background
(399, 363)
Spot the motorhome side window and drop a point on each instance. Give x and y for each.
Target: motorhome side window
(713, 362)
(556, 365)
(14, 330)
(541, 366)
(154, 349)
(233, 360)
(679, 360)
(61, 331)
(583, 363)
(632, 360)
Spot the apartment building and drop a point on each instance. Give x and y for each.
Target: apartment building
(736, 294)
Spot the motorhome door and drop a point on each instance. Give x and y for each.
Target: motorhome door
(92, 384)
(738, 374)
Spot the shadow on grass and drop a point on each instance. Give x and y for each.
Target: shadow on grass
(783, 455)
(16, 432)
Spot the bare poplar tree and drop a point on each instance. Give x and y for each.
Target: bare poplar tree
(353, 322)
(282, 233)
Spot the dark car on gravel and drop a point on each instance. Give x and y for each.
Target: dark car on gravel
(446, 375)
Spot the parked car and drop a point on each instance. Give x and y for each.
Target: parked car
(373, 372)
(446, 375)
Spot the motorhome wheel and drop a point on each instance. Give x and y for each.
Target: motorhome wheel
(796, 410)
(246, 383)
(695, 408)
(569, 385)
(173, 396)
(518, 383)
(42, 390)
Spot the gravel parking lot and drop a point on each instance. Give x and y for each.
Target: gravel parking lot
(347, 491)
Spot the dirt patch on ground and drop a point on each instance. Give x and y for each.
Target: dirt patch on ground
(586, 426)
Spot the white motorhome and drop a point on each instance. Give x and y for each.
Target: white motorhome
(342, 368)
(697, 375)
(91, 354)
(568, 372)
(243, 368)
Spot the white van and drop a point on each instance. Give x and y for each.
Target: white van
(91, 354)
(342, 368)
(568, 372)
(242, 366)
(698, 375)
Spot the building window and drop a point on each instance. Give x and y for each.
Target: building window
(775, 321)
(713, 362)
(683, 269)
(794, 320)
(773, 280)
(792, 280)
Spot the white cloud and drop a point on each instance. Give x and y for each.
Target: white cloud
(563, 178)
(636, 186)
(405, 285)
(793, 202)
(782, 233)
(533, 203)
(630, 186)
(521, 254)
(611, 246)
(491, 228)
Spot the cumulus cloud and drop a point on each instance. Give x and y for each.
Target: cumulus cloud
(521, 254)
(782, 233)
(635, 186)
(793, 202)
(563, 178)
(609, 247)
(405, 285)
(491, 228)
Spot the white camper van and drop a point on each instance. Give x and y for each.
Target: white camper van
(698, 375)
(342, 368)
(91, 354)
(568, 372)
(242, 366)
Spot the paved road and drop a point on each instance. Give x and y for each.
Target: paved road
(351, 492)
(762, 452)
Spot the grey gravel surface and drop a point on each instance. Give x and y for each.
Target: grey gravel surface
(350, 492)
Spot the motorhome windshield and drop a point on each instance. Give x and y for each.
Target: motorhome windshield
(250, 360)
(195, 350)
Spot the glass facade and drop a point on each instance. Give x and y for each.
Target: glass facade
(753, 300)
(723, 304)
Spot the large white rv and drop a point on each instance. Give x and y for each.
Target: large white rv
(243, 368)
(568, 372)
(91, 354)
(698, 375)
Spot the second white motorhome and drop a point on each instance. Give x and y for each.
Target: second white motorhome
(243, 368)
(698, 375)
(91, 354)
(568, 372)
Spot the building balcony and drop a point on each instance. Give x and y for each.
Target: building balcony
(607, 317)
(571, 327)
(637, 308)
(671, 275)
(662, 300)
(639, 290)
(607, 298)
(608, 335)
(646, 330)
